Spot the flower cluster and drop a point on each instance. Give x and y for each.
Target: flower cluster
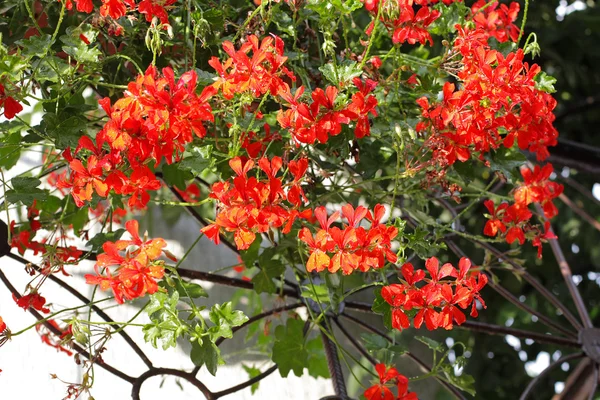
(512, 220)
(498, 22)
(387, 377)
(118, 8)
(439, 300)
(155, 119)
(2, 325)
(497, 104)
(327, 112)
(353, 247)
(136, 272)
(261, 73)
(247, 205)
(399, 16)
(11, 106)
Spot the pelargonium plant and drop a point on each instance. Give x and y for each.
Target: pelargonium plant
(334, 146)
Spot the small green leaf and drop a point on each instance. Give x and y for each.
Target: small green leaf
(507, 161)
(545, 82)
(317, 361)
(205, 78)
(380, 306)
(250, 256)
(374, 342)
(253, 372)
(225, 318)
(206, 353)
(343, 74)
(270, 267)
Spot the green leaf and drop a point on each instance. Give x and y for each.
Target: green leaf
(317, 361)
(374, 342)
(189, 289)
(318, 293)
(195, 163)
(97, 241)
(10, 149)
(382, 307)
(75, 216)
(432, 344)
(65, 131)
(253, 372)
(341, 75)
(250, 256)
(25, 190)
(206, 353)
(507, 161)
(77, 48)
(205, 78)
(289, 352)
(166, 326)
(464, 382)
(270, 267)
(545, 82)
(35, 45)
(225, 318)
(50, 69)
(175, 176)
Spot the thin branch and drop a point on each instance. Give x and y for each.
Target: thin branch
(565, 270)
(580, 211)
(533, 282)
(580, 188)
(137, 382)
(502, 330)
(261, 316)
(59, 332)
(545, 372)
(96, 309)
(422, 364)
(355, 342)
(244, 385)
(225, 280)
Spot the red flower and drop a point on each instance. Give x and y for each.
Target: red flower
(494, 224)
(33, 300)
(353, 247)
(248, 206)
(382, 391)
(2, 325)
(439, 301)
(498, 22)
(136, 272)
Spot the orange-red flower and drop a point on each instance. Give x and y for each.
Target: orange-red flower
(353, 247)
(387, 377)
(249, 206)
(437, 299)
(136, 272)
